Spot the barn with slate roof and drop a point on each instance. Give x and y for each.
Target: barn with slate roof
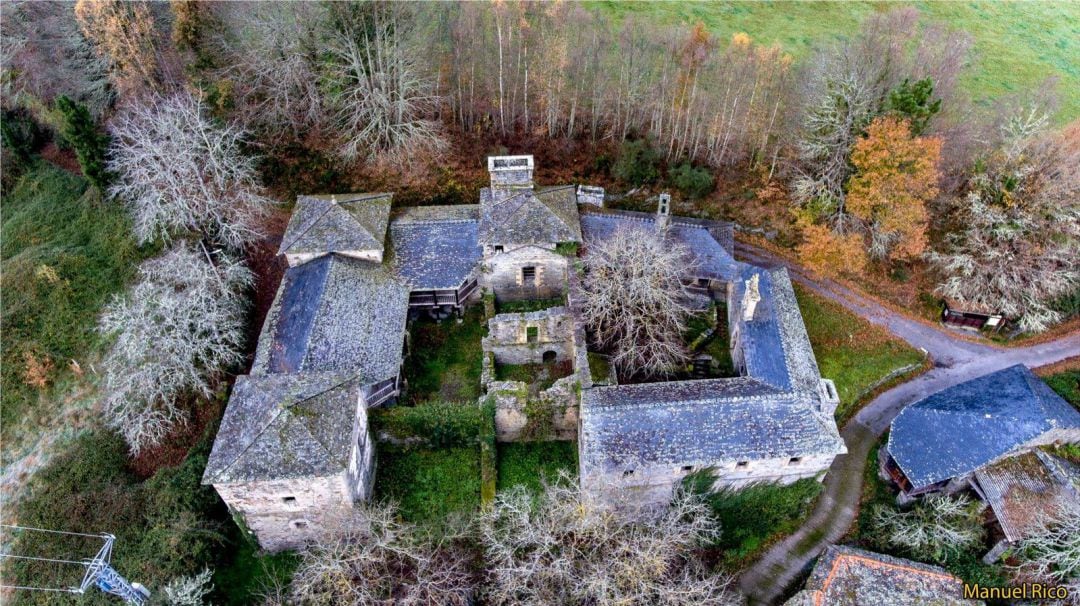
(936, 444)
(351, 225)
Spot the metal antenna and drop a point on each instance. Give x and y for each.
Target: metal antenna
(99, 571)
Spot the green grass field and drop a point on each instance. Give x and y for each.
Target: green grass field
(855, 354)
(429, 485)
(445, 359)
(1016, 44)
(526, 463)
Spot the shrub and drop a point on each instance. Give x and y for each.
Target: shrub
(692, 182)
(637, 164)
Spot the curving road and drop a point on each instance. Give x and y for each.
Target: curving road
(955, 360)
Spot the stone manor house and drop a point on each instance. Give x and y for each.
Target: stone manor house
(294, 445)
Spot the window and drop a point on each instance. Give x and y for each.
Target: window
(703, 282)
(532, 334)
(528, 275)
(288, 500)
(299, 524)
(499, 249)
(688, 468)
(794, 460)
(628, 473)
(742, 465)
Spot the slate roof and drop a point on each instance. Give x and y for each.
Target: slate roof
(776, 348)
(333, 223)
(962, 428)
(335, 314)
(845, 576)
(436, 247)
(700, 422)
(709, 242)
(1020, 489)
(282, 426)
(529, 216)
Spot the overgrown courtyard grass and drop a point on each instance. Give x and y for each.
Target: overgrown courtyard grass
(429, 485)
(445, 359)
(852, 352)
(529, 463)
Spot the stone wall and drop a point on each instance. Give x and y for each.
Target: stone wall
(287, 514)
(552, 330)
(503, 276)
(647, 484)
(550, 414)
(373, 255)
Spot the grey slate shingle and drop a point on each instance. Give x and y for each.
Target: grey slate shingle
(323, 224)
(962, 428)
(528, 216)
(436, 247)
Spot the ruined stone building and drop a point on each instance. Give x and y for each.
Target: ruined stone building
(294, 448)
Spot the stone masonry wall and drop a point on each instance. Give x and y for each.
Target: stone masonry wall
(286, 514)
(550, 414)
(503, 277)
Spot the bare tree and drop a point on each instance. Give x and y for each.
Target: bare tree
(272, 54)
(1050, 553)
(370, 557)
(381, 100)
(180, 172)
(176, 329)
(933, 528)
(634, 301)
(185, 591)
(1017, 238)
(565, 546)
(141, 60)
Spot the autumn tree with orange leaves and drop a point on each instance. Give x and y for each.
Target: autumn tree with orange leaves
(896, 175)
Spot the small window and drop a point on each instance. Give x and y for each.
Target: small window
(299, 524)
(794, 460)
(628, 473)
(688, 468)
(703, 282)
(532, 334)
(288, 500)
(499, 249)
(742, 464)
(528, 275)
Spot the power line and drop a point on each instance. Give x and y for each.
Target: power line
(78, 534)
(21, 557)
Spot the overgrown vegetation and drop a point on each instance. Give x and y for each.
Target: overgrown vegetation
(529, 464)
(445, 359)
(514, 307)
(755, 515)
(64, 252)
(429, 485)
(1067, 385)
(855, 354)
(538, 376)
(434, 424)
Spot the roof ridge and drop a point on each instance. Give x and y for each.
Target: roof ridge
(296, 238)
(363, 228)
(281, 409)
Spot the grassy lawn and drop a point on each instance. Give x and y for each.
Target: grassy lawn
(1016, 44)
(851, 351)
(249, 575)
(525, 463)
(429, 485)
(1067, 385)
(445, 359)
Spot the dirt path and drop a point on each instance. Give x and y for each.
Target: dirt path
(956, 360)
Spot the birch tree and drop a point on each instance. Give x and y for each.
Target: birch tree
(635, 304)
(180, 172)
(380, 99)
(175, 330)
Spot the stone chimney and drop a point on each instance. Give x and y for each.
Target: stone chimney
(663, 213)
(751, 296)
(511, 172)
(590, 194)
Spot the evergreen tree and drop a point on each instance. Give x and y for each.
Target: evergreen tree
(913, 100)
(90, 146)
